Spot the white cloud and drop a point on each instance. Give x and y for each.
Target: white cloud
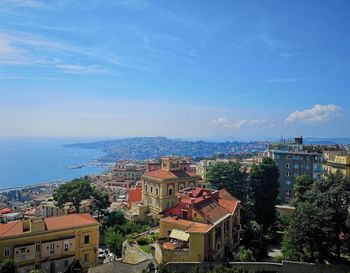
(317, 114)
(26, 3)
(225, 123)
(284, 80)
(80, 69)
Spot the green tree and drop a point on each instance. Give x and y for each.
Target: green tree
(264, 183)
(101, 201)
(74, 192)
(244, 255)
(302, 184)
(114, 241)
(252, 235)
(320, 224)
(7, 266)
(230, 177)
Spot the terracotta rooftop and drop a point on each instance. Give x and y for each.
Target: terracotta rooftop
(227, 201)
(165, 174)
(211, 210)
(188, 226)
(15, 228)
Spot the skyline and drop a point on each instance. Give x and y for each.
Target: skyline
(181, 69)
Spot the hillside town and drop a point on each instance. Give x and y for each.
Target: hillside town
(163, 214)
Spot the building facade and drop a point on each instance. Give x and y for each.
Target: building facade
(48, 208)
(294, 159)
(340, 163)
(201, 227)
(50, 244)
(128, 171)
(159, 187)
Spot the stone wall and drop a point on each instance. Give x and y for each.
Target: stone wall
(132, 254)
(284, 267)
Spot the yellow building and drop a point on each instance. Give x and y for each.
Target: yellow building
(341, 163)
(50, 244)
(201, 227)
(48, 208)
(159, 187)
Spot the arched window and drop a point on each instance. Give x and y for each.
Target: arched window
(191, 185)
(181, 187)
(170, 190)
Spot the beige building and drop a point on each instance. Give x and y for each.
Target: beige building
(340, 163)
(48, 208)
(159, 187)
(50, 244)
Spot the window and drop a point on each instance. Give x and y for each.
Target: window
(288, 174)
(86, 239)
(151, 189)
(157, 191)
(288, 182)
(86, 257)
(296, 174)
(288, 156)
(307, 167)
(7, 252)
(287, 166)
(277, 156)
(66, 263)
(296, 166)
(37, 247)
(66, 245)
(52, 248)
(184, 214)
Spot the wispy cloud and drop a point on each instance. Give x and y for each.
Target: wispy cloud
(288, 55)
(26, 3)
(317, 114)
(225, 123)
(284, 80)
(240, 95)
(81, 69)
(18, 48)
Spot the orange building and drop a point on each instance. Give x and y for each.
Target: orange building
(202, 226)
(50, 244)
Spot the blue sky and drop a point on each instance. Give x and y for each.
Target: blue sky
(202, 69)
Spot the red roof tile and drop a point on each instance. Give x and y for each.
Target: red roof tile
(227, 201)
(188, 226)
(15, 228)
(70, 221)
(165, 174)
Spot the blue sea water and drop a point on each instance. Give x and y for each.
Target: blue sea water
(26, 161)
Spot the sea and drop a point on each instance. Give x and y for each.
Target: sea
(26, 161)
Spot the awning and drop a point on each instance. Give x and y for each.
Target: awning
(179, 235)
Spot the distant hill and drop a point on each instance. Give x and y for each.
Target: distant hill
(327, 141)
(141, 148)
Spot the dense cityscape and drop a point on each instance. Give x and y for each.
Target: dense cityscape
(170, 212)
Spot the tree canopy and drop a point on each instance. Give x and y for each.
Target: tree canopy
(78, 190)
(7, 266)
(320, 225)
(230, 177)
(302, 184)
(265, 185)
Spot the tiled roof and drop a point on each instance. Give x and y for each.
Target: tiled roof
(165, 174)
(211, 210)
(188, 226)
(11, 229)
(15, 228)
(227, 201)
(70, 221)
